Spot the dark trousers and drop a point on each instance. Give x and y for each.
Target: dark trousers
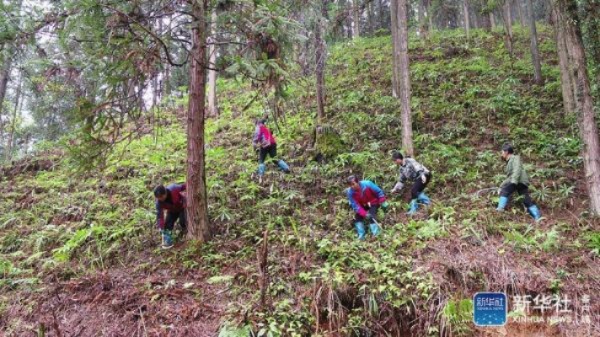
(418, 186)
(270, 150)
(371, 210)
(522, 189)
(172, 218)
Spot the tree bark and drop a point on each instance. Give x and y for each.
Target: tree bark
(566, 75)
(492, 20)
(508, 36)
(466, 17)
(535, 53)
(519, 7)
(395, 52)
(588, 126)
(197, 205)
(4, 77)
(213, 109)
(321, 55)
(404, 75)
(356, 19)
(13, 122)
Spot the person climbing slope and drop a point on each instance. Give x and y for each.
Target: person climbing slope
(265, 144)
(516, 180)
(365, 198)
(172, 199)
(411, 170)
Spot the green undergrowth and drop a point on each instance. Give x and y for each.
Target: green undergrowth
(468, 99)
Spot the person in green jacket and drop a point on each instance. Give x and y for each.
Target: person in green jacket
(517, 180)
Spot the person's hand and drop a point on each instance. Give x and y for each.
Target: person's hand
(423, 178)
(397, 188)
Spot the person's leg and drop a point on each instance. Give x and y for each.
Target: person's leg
(167, 231)
(416, 189)
(262, 155)
(183, 222)
(533, 210)
(360, 226)
(505, 193)
(373, 225)
(422, 197)
(281, 163)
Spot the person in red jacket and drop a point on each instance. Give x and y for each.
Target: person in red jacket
(264, 142)
(365, 198)
(172, 200)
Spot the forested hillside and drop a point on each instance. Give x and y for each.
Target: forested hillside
(278, 255)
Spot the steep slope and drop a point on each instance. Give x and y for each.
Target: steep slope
(79, 249)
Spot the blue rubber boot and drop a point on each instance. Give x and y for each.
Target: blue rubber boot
(374, 229)
(360, 229)
(423, 198)
(261, 169)
(534, 211)
(413, 207)
(283, 166)
(502, 203)
(167, 239)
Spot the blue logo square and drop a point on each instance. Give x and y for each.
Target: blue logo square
(489, 309)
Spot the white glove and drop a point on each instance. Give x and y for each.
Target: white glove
(423, 178)
(397, 187)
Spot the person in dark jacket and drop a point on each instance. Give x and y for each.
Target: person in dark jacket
(172, 199)
(365, 198)
(516, 180)
(264, 142)
(411, 170)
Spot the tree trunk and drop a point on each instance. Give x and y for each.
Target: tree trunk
(466, 17)
(566, 75)
(213, 110)
(4, 77)
(370, 17)
(13, 122)
(535, 53)
(404, 75)
(197, 205)
(587, 122)
(492, 20)
(356, 19)
(321, 55)
(508, 36)
(519, 7)
(430, 16)
(395, 52)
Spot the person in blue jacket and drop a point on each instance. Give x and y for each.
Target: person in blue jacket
(365, 198)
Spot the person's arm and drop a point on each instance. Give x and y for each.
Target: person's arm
(517, 167)
(257, 136)
(378, 191)
(160, 219)
(355, 206)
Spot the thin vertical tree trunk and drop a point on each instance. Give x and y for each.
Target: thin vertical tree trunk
(466, 17)
(519, 7)
(197, 205)
(13, 122)
(370, 17)
(321, 55)
(566, 75)
(213, 110)
(492, 20)
(4, 77)
(356, 18)
(535, 53)
(395, 52)
(430, 16)
(508, 36)
(587, 122)
(404, 76)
